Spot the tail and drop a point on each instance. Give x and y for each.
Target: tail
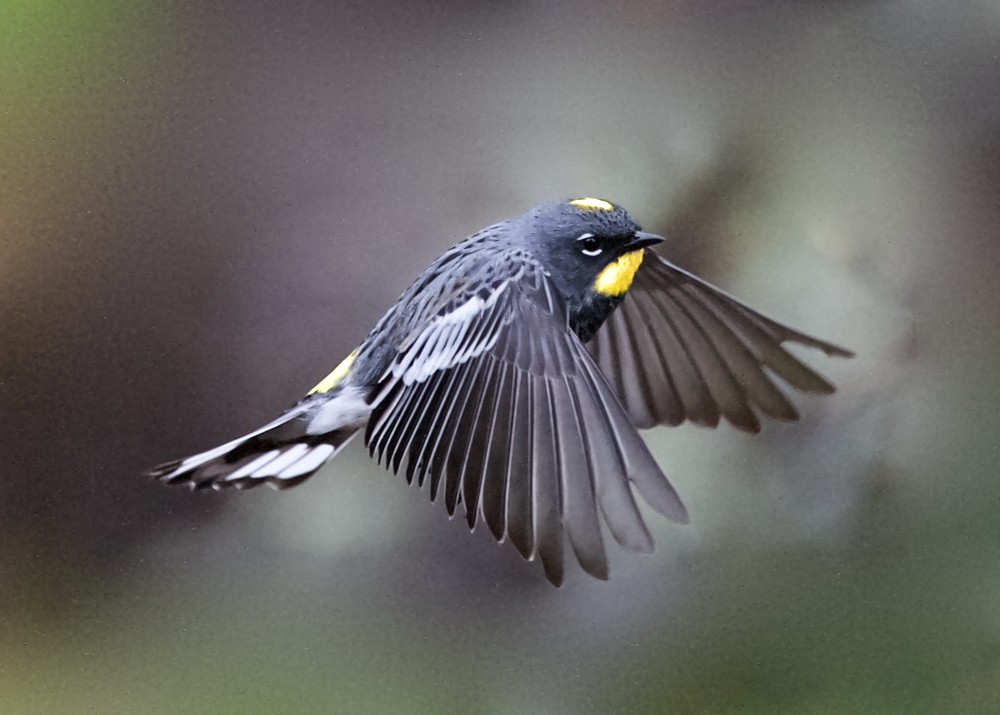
(282, 454)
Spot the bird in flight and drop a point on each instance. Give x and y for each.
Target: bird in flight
(513, 375)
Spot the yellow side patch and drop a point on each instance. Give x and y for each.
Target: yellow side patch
(616, 277)
(339, 373)
(589, 204)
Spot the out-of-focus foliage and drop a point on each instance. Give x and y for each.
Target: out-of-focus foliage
(204, 206)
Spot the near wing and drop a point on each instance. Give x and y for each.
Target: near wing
(499, 406)
(679, 348)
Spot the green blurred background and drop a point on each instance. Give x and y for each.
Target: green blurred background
(204, 206)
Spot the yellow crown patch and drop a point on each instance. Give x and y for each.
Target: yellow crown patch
(588, 204)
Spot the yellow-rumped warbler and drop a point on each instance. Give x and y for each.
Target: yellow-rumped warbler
(512, 375)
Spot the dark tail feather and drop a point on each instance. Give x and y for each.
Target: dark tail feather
(279, 454)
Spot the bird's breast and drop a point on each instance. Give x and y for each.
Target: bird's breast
(590, 312)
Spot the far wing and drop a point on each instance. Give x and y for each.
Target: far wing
(678, 348)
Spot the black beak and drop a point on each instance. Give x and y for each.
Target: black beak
(641, 239)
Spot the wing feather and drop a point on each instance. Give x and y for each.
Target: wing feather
(464, 381)
(578, 499)
(739, 359)
(469, 453)
(664, 400)
(427, 412)
(518, 476)
(723, 388)
(545, 483)
(491, 482)
(607, 468)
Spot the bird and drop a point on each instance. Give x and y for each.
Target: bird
(512, 377)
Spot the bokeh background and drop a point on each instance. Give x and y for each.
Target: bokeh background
(204, 206)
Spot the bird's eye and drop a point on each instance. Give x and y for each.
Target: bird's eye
(589, 244)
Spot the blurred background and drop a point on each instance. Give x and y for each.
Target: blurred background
(204, 207)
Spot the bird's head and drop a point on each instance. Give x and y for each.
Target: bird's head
(590, 247)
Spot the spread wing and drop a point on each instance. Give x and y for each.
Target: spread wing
(498, 406)
(678, 348)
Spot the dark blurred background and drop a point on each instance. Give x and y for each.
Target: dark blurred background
(204, 206)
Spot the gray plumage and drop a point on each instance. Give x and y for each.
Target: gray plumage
(512, 375)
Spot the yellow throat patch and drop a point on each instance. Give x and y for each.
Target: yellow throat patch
(590, 204)
(617, 276)
(339, 373)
